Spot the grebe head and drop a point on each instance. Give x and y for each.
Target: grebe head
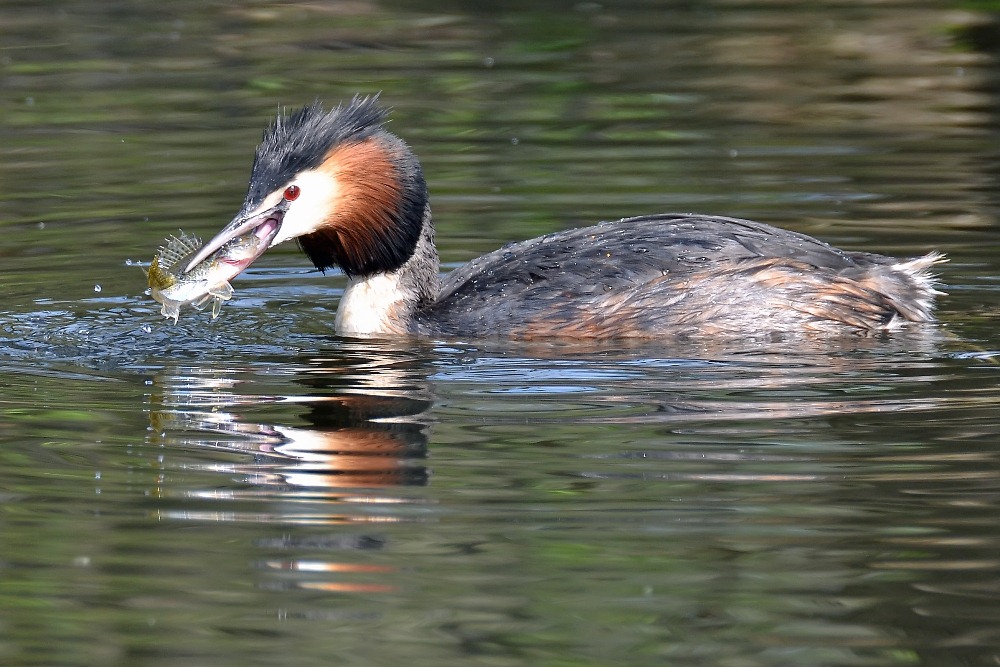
(351, 193)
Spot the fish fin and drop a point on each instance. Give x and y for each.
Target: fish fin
(199, 303)
(173, 311)
(223, 291)
(177, 248)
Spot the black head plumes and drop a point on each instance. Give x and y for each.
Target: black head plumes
(300, 141)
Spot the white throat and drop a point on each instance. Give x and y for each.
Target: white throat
(375, 305)
(386, 303)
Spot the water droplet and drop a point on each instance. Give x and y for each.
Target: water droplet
(488, 61)
(41, 225)
(514, 141)
(128, 262)
(97, 288)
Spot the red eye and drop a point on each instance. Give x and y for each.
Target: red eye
(292, 192)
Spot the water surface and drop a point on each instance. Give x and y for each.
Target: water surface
(256, 490)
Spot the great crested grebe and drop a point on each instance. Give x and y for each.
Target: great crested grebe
(354, 196)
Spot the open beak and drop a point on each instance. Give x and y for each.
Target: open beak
(264, 224)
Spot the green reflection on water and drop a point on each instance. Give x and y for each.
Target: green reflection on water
(256, 491)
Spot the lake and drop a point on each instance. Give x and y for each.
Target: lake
(255, 490)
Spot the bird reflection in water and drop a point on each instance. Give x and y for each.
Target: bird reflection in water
(342, 433)
(364, 424)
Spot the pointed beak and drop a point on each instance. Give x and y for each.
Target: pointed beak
(265, 224)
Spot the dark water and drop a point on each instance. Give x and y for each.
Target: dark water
(256, 491)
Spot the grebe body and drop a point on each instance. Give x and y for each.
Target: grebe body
(353, 195)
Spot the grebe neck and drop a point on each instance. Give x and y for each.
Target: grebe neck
(386, 302)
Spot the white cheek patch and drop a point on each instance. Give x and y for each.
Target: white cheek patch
(312, 208)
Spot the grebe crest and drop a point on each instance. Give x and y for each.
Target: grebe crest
(354, 196)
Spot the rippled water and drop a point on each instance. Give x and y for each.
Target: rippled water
(256, 490)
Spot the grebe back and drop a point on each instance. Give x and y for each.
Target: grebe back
(353, 195)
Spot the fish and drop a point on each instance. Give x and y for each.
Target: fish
(207, 282)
